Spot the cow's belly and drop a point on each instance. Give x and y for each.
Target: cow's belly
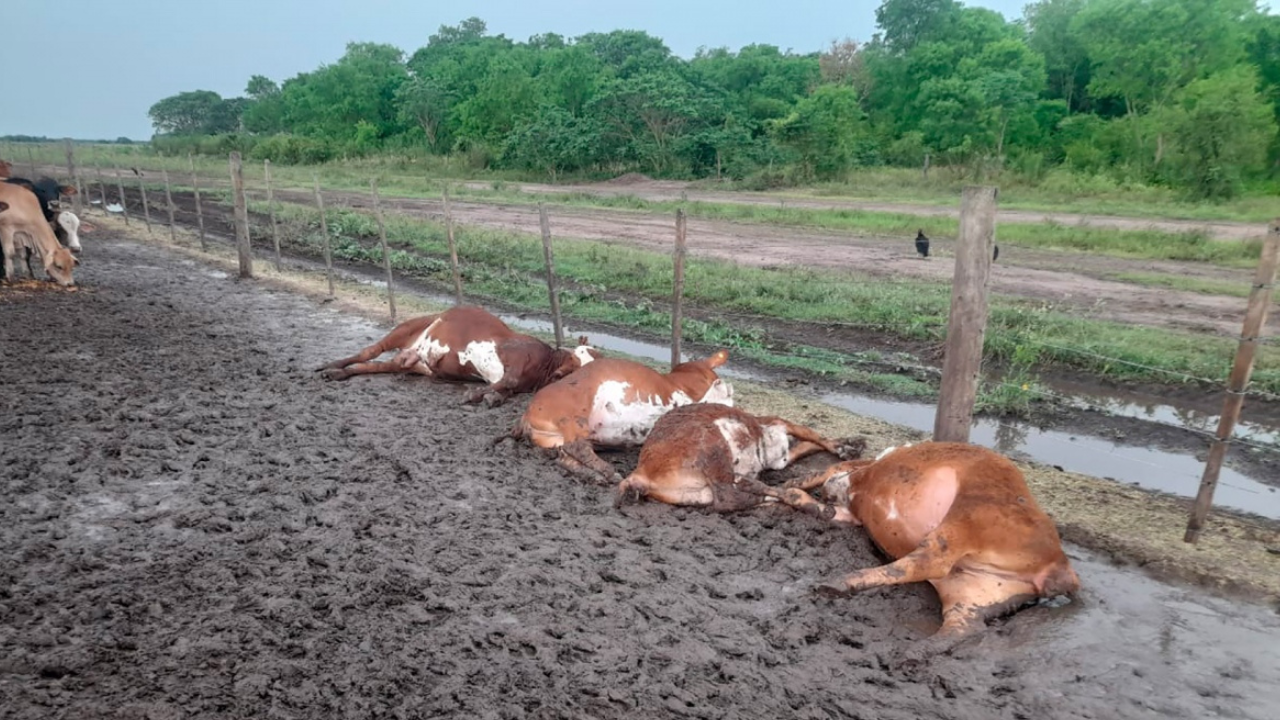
(618, 421)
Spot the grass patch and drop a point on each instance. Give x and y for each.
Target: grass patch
(508, 266)
(1197, 285)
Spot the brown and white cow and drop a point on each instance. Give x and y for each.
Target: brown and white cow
(614, 403)
(467, 343)
(955, 515)
(711, 455)
(23, 227)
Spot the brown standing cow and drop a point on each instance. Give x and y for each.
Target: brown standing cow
(710, 455)
(23, 227)
(955, 515)
(613, 403)
(467, 343)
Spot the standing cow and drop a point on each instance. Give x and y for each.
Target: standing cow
(955, 515)
(467, 343)
(613, 403)
(23, 228)
(710, 455)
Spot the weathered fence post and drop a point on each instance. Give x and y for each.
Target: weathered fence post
(146, 207)
(1255, 319)
(31, 161)
(453, 249)
(386, 251)
(195, 185)
(551, 274)
(324, 231)
(124, 205)
(243, 247)
(677, 291)
(77, 203)
(924, 171)
(967, 325)
(271, 210)
(168, 202)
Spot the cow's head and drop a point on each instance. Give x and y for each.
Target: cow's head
(58, 264)
(569, 361)
(70, 225)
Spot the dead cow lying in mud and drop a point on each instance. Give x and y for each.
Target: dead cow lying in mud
(467, 343)
(711, 455)
(958, 516)
(613, 403)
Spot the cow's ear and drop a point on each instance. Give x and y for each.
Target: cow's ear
(718, 359)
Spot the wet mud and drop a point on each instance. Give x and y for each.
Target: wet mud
(196, 525)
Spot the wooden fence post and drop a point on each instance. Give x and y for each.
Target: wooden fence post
(324, 230)
(453, 249)
(124, 204)
(243, 247)
(386, 251)
(77, 203)
(195, 185)
(102, 189)
(551, 274)
(168, 201)
(1255, 320)
(31, 161)
(677, 290)
(271, 210)
(146, 207)
(967, 325)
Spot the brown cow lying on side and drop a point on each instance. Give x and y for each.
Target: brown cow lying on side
(955, 515)
(467, 343)
(710, 455)
(613, 403)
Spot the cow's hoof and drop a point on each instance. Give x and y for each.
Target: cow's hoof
(333, 374)
(832, 590)
(851, 448)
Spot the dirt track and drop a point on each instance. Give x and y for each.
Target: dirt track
(1077, 281)
(196, 526)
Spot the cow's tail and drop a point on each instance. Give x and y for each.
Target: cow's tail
(519, 430)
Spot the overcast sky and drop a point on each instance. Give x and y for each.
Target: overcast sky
(90, 69)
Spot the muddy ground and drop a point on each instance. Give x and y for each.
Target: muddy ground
(197, 526)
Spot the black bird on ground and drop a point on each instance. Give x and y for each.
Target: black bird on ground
(996, 256)
(922, 244)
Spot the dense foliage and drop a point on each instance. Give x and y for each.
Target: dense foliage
(1183, 93)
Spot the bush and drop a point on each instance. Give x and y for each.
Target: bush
(292, 150)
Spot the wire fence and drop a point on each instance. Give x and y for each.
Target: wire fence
(102, 186)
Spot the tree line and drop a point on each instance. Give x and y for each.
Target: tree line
(1182, 93)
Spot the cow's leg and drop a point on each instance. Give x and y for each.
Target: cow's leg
(804, 502)
(819, 479)
(400, 337)
(493, 395)
(373, 368)
(744, 494)
(932, 560)
(580, 459)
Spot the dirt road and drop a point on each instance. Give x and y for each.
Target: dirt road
(660, 190)
(196, 526)
(1079, 283)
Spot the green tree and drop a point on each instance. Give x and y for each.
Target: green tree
(827, 131)
(553, 141)
(424, 102)
(644, 115)
(1218, 127)
(197, 112)
(1066, 61)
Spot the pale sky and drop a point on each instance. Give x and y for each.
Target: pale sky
(91, 69)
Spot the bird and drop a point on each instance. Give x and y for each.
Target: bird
(922, 244)
(996, 256)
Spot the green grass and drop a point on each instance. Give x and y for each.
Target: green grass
(1197, 285)
(507, 265)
